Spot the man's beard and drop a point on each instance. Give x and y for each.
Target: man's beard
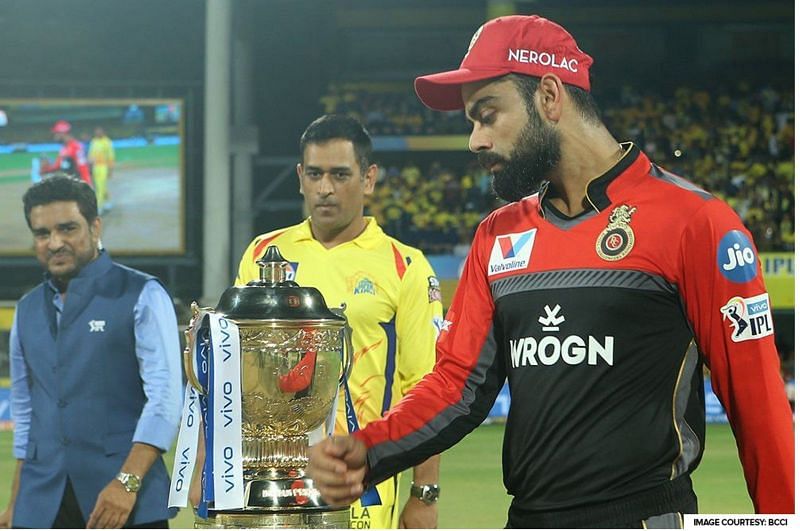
(536, 153)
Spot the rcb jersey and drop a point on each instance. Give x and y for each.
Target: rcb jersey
(393, 304)
(602, 323)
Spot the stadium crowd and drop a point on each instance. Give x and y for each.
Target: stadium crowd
(735, 141)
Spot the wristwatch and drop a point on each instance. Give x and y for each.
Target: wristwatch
(131, 482)
(428, 494)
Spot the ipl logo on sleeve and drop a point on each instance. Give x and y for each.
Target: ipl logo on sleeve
(749, 318)
(511, 252)
(736, 258)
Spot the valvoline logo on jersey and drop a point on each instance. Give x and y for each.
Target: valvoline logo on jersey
(511, 252)
(736, 257)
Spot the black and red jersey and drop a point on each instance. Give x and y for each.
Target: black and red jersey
(72, 161)
(601, 324)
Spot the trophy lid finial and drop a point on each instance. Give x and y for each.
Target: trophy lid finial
(273, 268)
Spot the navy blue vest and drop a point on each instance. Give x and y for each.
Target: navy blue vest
(86, 394)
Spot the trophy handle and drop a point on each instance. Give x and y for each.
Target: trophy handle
(191, 334)
(347, 358)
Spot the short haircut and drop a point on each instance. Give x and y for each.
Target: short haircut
(340, 127)
(61, 187)
(584, 102)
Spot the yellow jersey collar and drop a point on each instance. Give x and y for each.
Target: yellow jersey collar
(371, 236)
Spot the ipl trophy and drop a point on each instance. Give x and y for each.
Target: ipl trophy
(293, 355)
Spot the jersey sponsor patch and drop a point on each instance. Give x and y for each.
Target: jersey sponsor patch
(434, 290)
(736, 257)
(749, 318)
(511, 252)
(551, 349)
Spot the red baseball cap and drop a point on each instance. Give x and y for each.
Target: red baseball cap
(61, 126)
(520, 44)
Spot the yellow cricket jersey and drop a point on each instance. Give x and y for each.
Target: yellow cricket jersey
(393, 306)
(101, 151)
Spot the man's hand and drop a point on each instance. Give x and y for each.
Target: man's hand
(418, 515)
(114, 505)
(7, 516)
(338, 465)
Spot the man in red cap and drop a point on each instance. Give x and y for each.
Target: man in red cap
(71, 157)
(599, 292)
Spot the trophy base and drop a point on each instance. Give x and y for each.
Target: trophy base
(296, 519)
(279, 504)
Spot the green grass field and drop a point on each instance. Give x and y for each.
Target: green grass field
(17, 166)
(472, 490)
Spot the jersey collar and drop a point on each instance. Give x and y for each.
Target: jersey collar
(369, 238)
(600, 190)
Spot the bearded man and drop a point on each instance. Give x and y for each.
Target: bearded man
(599, 298)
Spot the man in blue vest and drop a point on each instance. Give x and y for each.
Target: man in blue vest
(95, 377)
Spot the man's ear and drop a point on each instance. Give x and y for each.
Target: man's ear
(96, 228)
(551, 95)
(370, 178)
(300, 177)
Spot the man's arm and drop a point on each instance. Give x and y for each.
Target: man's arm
(419, 317)
(158, 353)
(727, 306)
(114, 503)
(20, 394)
(417, 514)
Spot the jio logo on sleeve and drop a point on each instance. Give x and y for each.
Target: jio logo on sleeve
(736, 258)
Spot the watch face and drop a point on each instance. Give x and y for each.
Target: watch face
(430, 493)
(130, 481)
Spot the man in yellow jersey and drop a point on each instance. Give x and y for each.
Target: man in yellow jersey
(392, 297)
(101, 156)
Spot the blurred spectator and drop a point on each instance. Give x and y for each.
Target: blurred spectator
(437, 209)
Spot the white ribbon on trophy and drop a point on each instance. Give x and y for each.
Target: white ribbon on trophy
(185, 450)
(227, 436)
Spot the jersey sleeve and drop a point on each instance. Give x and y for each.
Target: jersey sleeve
(728, 308)
(419, 314)
(453, 399)
(248, 270)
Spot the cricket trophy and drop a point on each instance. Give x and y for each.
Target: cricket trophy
(264, 370)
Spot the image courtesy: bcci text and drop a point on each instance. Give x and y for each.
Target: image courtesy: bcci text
(742, 521)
